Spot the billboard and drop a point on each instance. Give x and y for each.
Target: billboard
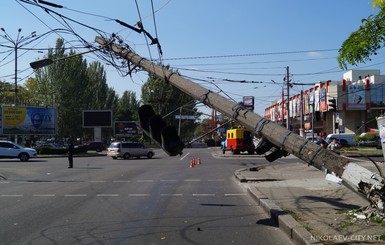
(29, 120)
(356, 97)
(124, 128)
(97, 118)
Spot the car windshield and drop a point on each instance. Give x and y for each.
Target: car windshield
(114, 145)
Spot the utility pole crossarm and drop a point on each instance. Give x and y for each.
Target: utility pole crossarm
(372, 188)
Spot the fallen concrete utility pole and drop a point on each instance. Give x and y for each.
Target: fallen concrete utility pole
(360, 179)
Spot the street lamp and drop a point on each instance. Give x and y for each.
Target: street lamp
(19, 42)
(48, 61)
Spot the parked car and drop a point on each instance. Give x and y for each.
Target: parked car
(126, 150)
(8, 149)
(48, 145)
(93, 146)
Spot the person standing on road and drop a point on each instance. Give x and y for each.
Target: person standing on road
(70, 152)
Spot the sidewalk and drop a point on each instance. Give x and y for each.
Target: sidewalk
(310, 209)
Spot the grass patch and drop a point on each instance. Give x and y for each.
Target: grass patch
(296, 216)
(368, 151)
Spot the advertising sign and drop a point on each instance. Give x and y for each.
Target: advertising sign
(28, 120)
(97, 118)
(248, 102)
(381, 129)
(123, 128)
(356, 97)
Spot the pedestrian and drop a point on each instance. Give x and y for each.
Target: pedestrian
(70, 152)
(334, 146)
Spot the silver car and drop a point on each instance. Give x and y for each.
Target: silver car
(8, 149)
(126, 150)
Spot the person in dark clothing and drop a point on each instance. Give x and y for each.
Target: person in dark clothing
(70, 152)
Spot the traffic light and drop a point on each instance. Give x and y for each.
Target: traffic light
(171, 143)
(263, 146)
(332, 105)
(155, 127)
(274, 152)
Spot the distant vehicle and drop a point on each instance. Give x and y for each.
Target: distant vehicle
(47, 145)
(92, 146)
(349, 138)
(315, 139)
(239, 140)
(8, 149)
(126, 150)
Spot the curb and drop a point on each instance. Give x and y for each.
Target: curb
(297, 233)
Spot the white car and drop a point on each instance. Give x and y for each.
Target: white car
(8, 149)
(126, 150)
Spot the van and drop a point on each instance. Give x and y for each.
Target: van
(126, 150)
(342, 138)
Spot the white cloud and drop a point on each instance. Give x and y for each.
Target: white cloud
(314, 54)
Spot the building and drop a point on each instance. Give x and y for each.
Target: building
(358, 93)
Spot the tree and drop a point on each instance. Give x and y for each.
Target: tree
(364, 42)
(127, 107)
(6, 93)
(75, 86)
(166, 100)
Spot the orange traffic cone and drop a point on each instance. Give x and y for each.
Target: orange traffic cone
(199, 161)
(192, 163)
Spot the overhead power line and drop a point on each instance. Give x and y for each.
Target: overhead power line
(253, 54)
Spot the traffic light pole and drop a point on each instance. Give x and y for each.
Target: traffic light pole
(361, 180)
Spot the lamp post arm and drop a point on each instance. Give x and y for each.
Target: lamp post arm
(48, 61)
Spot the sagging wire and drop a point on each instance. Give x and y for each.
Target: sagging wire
(123, 68)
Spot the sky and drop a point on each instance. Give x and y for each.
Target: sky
(215, 43)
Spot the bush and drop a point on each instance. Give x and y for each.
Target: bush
(51, 151)
(368, 139)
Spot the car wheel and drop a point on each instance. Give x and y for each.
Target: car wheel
(114, 158)
(126, 156)
(24, 157)
(150, 155)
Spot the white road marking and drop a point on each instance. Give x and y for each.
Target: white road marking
(122, 181)
(75, 195)
(235, 194)
(43, 195)
(184, 156)
(189, 180)
(107, 195)
(203, 195)
(97, 181)
(138, 195)
(145, 180)
(15, 195)
(215, 180)
(171, 195)
(168, 180)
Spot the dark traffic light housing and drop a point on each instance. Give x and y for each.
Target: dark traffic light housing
(272, 152)
(333, 105)
(155, 127)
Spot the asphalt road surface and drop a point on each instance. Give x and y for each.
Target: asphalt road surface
(137, 201)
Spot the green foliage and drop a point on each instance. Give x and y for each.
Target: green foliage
(51, 151)
(366, 137)
(166, 100)
(72, 85)
(378, 3)
(127, 107)
(364, 42)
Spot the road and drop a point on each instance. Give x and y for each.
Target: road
(137, 201)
